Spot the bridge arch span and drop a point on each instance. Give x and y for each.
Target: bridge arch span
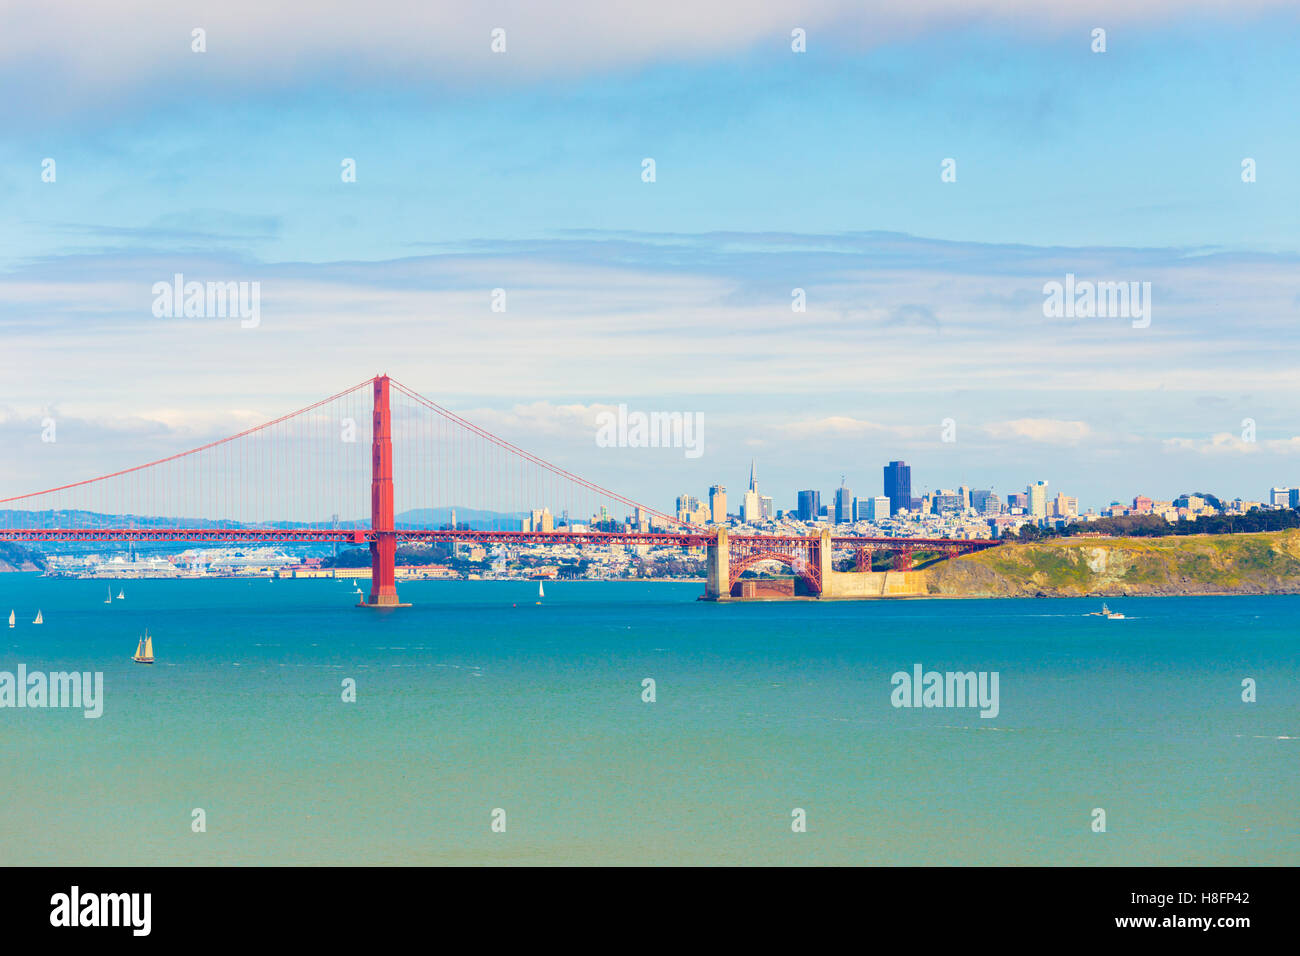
(796, 563)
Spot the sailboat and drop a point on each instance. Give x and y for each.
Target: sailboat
(11, 618)
(109, 599)
(121, 595)
(541, 592)
(144, 650)
(39, 619)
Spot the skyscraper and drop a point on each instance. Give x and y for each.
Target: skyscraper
(843, 504)
(946, 500)
(810, 505)
(898, 486)
(751, 508)
(1037, 499)
(718, 504)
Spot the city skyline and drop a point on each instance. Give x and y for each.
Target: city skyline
(868, 491)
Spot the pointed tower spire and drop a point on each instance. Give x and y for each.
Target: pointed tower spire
(753, 478)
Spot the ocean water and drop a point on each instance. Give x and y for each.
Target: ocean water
(476, 699)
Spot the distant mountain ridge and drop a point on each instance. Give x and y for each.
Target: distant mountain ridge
(415, 518)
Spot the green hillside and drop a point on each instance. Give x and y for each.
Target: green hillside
(1264, 563)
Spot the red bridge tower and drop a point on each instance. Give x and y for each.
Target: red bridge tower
(383, 549)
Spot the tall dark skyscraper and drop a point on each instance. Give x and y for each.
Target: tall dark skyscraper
(898, 486)
(810, 505)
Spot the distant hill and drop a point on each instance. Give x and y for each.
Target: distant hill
(16, 557)
(1263, 563)
(465, 518)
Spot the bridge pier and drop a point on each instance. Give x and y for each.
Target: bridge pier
(717, 563)
(383, 550)
(824, 555)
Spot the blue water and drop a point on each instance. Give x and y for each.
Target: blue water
(476, 698)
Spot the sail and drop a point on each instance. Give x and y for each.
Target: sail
(39, 619)
(109, 599)
(148, 648)
(11, 618)
(540, 590)
(121, 595)
(139, 649)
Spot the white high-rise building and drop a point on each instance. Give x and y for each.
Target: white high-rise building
(1038, 499)
(751, 509)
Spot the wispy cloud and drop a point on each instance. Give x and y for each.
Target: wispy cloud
(248, 41)
(652, 321)
(1226, 443)
(1047, 430)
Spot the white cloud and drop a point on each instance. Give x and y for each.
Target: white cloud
(1221, 443)
(1047, 430)
(1284, 446)
(837, 425)
(539, 418)
(1226, 443)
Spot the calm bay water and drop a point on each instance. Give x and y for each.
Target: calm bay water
(476, 698)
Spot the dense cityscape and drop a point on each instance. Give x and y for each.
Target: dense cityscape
(961, 513)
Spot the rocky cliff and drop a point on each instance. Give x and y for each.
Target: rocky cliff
(1264, 563)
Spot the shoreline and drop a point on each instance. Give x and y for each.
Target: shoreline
(1098, 595)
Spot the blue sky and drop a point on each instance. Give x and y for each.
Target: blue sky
(774, 170)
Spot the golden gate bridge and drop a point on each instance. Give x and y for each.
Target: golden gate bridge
(273, 483)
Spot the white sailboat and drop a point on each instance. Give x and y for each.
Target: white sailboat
(541, 592)
(109, 599)
(11, 618)
(144, 650)
(39, 619)
(121, 595)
